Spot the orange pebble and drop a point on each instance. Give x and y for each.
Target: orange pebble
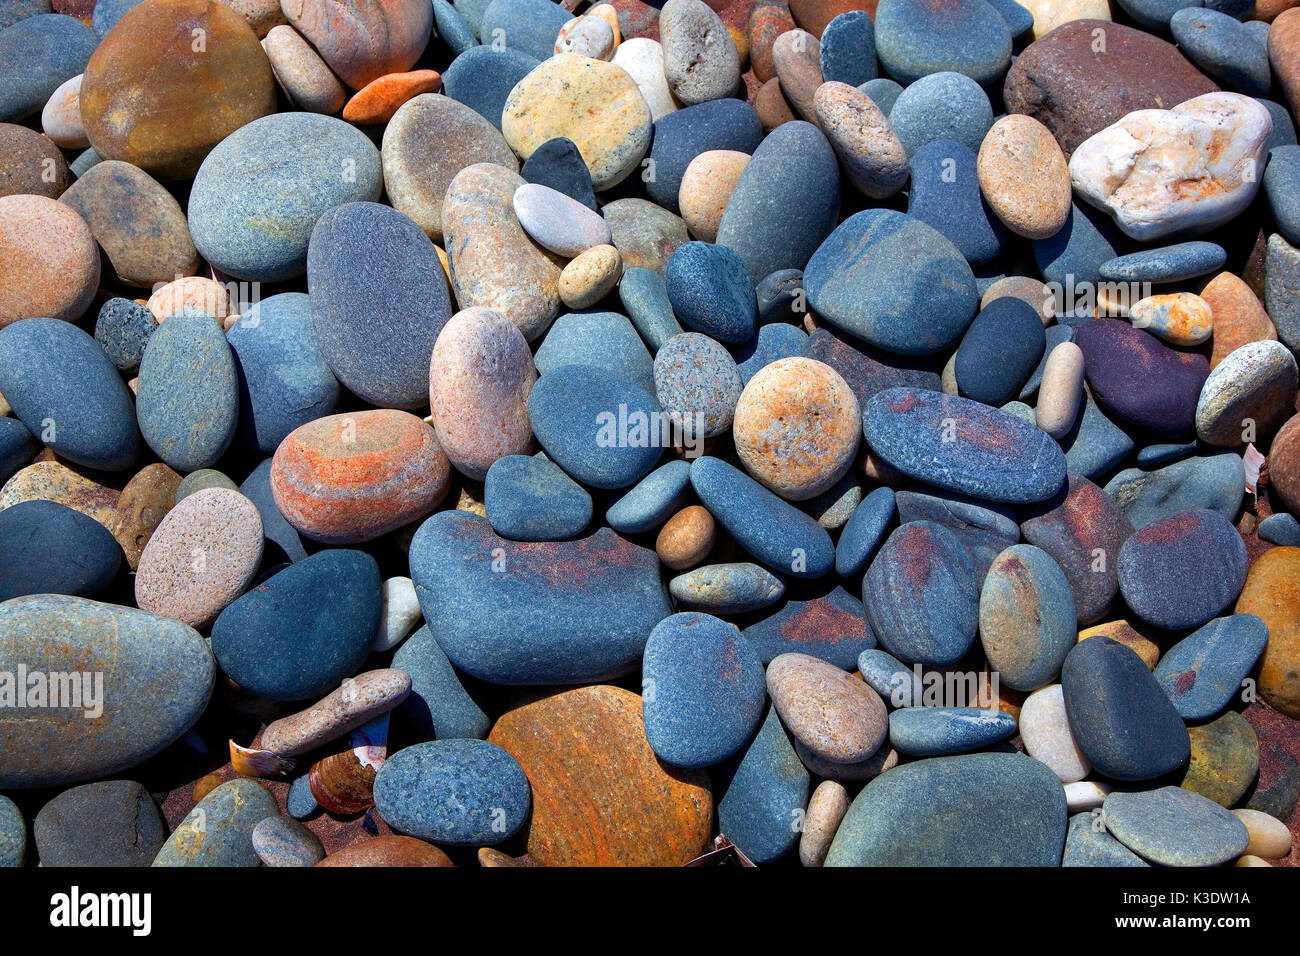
(205, 785)
(378, 100)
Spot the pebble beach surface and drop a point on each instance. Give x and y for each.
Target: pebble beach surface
(517, 433)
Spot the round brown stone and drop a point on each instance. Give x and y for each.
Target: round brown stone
(49, 263)
(1272, 592)
(1284, 465)
(362, 40)
(171, 80)
(814, 15)
(771, 106)
(1075, 85)
(388, 851)
(30, 164)
(797, 56)
(686, 539)
(835, 715)
(144, 502)
(600, 795)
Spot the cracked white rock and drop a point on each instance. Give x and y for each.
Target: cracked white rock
(400, 611)
(1181, 171)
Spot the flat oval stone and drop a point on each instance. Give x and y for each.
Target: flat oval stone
(702, 690)
(873, 155)
(994, 456)
(285, 842)
(999, 351)
(847, 52)
(1045, 731)
(1184, 260)
(1179, 318)
(832, 713)
(428, 141)
(602, 429)
(218, 832)
(47, 548)
(304, 629)
(37, 54)
(527, 627)
(684, 135)
(774, 531)
(560, 224)
(480, 376)
(1239, 316)
(388, 851)
(1215, 481)
(1270, 593)
(700, 60)
(139, 225)
(481, 77)
(30, 164)
(365, 39)
(644, 295)
(531, 499)
(946, 105)
(63, 388)
(652, 501)
(1027, 619)
(493, 262)
(1280, 528)
(1175, 827)
(1119, 715)
(187, 400)
(914, 38)
(826, 808)
(110, 823)
(1085, 845)
(711, 291)
(258, 195)
(727, 588)
(761, 792)
(1072, 528)
(357, 702)
(796, 55)
(920, 562)
(154, 98)
(1023, 175)
(303, 76)
(1253, 386)
(793, 168)
(1225, 759)
(831, 627)
(378, 100)
(439, 705)
(686, 538)
(457, 792)
(1269, 836)
(871, 276)
(160, 682)
(587, 746)
(989, 809)
(1181, 571)
(941, 731)
(1224, 48)
(49, 263)
(864, 531)
(590, 277)
(343, 479)
(1203, 672)
(593, 103)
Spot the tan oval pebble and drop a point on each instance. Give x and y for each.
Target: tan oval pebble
(834, 714)
(480, 377)
(309, 84)
(587, 36)
(829, 802)
(1269, 836)
(30, 164)
(706, 186)
(203, 555)
(1180, 318)
(1023, 175)
(643, 59)
(61, 117)
(687, 538)
(872, 155)
(359, 700)
(1061, 393)
(1029, 291)
(1239, 316)
(192, 292)
(796, 55)
(144, 502)
(1085, 795)
(1249, 859)
(772, 107)
(797, 427)
(1045, 731)
(948, 377)
(590, 277)
(49, 262)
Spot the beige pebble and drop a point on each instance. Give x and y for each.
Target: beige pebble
(61, 118)
(643, 60)
(830, 801)
(706, 186)
(192, 292)
(590, 277)
(833, 714)
(1251, 860)
(1045, 731)
(686, 539)
(948, 377)
(49, 261)
(587, 36)
(1269, 836)
(1023, 175)
(1085, 795)
(1061, 393)
(301, 73)
(873, 157)
(359, 700)
(1030, 291)
(1050, 14)
(1180, 318)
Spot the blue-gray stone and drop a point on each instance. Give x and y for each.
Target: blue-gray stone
(300, 802)
(895, 682)
(941, 106)
(683, 134)
(203, 478)
(762, 792)
(122, 331)
(915, 38)
(1072, 259)
(110, 823)
(848, 49)
(785, 203)
(257, 489)
(258, 194)
(283, 841)
(1282, 529)
(1216, 481)
(604, 430)
(883, 91)
(999, 352)
(47, 548)
(37, 55)
(770, 343)
(557, 163)
(1019, 20)
(644, 294)
(452, 29)
(67, 393)
(283, 379)
(17, 447)
(604, 339)
(702, 690)
(528, 498)
(472, 13)
(1153, 456)
(568, 612)
(1282, 188)
(945, 194)
(772, 530)
(1088, 844)
(942, 731)
(527, 25)
(302, 630)
(831, 627)
(482, 77)
(378, 301)
(1203, 672)
(13, 834)
(864, 531)
(108, 12)
(986, 809)
(219, 831)
(651, 501)
(187, 400)
(985, 529)
(85, 160)
(780, 297)
(1283, 126)
(457, 792)
(439, 704)
(1185, 260)
(16, 10)
(1094, 444)
(1224, 49)
(1175, 827)
(711, 291)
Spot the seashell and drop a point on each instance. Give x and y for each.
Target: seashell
(258, 763)
(342, 784)
(360, 699)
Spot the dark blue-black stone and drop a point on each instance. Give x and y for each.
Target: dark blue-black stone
(47, 548)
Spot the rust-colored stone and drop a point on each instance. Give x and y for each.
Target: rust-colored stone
(767, 21)
(378, 100)
(1272, 592)
(388, 851)
(687, 538)
(1284, 54)
(1127, 633)
(814, 15)
(362, 40)
(771, 106)
(1239, 316)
